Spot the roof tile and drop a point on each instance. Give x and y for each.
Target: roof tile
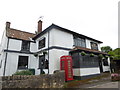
(13, 33)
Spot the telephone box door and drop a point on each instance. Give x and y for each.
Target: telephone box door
(66, 64)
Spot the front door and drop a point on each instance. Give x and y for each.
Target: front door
(41, 63)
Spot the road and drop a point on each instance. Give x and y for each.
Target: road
(107, 85)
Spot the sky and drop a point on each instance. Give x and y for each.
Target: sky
(97, 19)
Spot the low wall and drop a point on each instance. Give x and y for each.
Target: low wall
(55, 80)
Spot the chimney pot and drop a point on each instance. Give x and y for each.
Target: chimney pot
(39, 26)
(8, 25)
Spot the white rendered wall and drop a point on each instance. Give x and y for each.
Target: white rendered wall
(85, 71)
(89, 71)
(12, 62)
(14, 44)
(33, 47)
(4, 41)
(2, 64)
(61, 38)
(54, 60)
(3, 45)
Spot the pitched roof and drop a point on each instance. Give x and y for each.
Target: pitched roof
(65, 30)
(17, 34)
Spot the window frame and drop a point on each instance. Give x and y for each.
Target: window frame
(27, 47)
(43, 40)
(79, 41)
(20, 60)
(93, 43)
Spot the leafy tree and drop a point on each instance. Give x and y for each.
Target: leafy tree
(115, 53)
(106, 49)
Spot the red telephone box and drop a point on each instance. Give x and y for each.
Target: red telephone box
(66, 64)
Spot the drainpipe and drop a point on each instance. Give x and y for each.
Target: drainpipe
(6, 58)
(48, 50)
(7, 28)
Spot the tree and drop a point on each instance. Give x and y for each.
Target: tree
(106, 49)
(115, 53)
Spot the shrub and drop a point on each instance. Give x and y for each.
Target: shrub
(24, 72)
(83, 53)
(100, 56)
(92, 55)
(115, 77)
(33, 71)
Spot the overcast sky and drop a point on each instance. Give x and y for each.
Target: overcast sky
(94, 18)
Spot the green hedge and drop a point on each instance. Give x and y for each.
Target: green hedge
(24, 72)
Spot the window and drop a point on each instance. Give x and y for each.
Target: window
(79, 42)
(86, 61)
(23, 62)
(1, 64)
(41, 43)
(94, 46)
(25, 46)
(43, 63)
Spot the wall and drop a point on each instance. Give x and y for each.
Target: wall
(12, 58)
(55, 39)
(46, 41)
(89, 46)
(3, 45)
(56, 80)
(12, 62)
(33, 47)
(61, 39)
(14, 44)
(86, 71)
(4, 41)
(54, 63)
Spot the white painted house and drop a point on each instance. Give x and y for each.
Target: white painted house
(42, 51)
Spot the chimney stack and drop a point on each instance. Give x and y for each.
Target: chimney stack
(39, 26)
(8, 25)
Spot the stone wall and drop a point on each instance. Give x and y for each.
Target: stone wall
(55, 80)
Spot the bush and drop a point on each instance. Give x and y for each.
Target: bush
(100, 56)
(33, 71)
(83, 53)
(92, 55)
(24, 72)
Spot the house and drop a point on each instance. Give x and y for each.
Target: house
(16, 51)
(42, 51)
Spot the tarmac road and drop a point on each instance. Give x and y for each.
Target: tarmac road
(107, 85)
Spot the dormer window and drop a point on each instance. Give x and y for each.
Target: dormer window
(94, 46)
(79, 41)
(25, 46)
(41, 43)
